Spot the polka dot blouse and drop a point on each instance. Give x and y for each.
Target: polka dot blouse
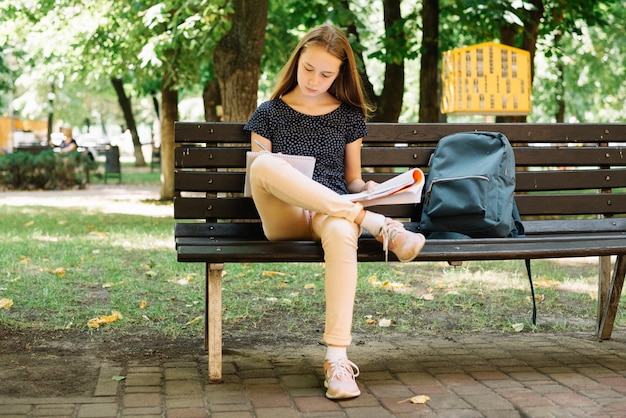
(323, 137)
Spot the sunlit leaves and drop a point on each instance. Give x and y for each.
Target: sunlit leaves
(104, 319)
(418, 399)
(6, 303)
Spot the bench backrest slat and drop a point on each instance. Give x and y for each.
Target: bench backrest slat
(562, 169)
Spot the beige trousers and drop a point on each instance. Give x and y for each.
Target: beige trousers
(292, 206)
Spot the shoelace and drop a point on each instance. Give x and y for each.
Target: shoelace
(388, 232)
(342, 368)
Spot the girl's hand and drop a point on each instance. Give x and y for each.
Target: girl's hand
(369, 186)
(358, 186)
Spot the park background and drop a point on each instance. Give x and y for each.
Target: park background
(122, 73)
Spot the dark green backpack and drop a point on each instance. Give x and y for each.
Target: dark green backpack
(470, 187)
(469, 191)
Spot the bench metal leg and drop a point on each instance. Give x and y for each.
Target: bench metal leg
(609, 295)
(213, 320)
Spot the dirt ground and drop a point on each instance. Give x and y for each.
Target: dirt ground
(41, 364)
(66, 363)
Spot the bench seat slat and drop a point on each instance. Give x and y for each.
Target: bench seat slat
(254, 231)
(435, 250)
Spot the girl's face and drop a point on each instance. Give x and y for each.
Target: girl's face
(317, 70)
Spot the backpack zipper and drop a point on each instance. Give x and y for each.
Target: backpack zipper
(432, 183)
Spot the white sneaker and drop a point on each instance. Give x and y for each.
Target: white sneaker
(339, 379)
(406, 245)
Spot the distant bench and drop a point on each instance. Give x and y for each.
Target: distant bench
(571, 192)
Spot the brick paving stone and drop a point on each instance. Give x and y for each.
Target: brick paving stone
(444, 402)
(401, 406)
(428, 389)
(154, 410)
(488, 402)
(526, 399)
(184, 402)
(276, 413)
(316, 404)
(97, 410)
(232, 415)
(183, 388)
(15, 410)
(142, 389)
(181, 373)
(186, 413)
(569, 399)
(106, 386)
(63, 410)
(140, 400)
(371, 412)
(365, 400)
(456, 379)
(143, 379)
(389, 389)
(300, 381)
(269, 399)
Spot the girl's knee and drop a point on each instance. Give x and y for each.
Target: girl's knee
(339, 230)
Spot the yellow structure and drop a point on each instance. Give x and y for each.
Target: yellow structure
(10, 125)
(486, 79)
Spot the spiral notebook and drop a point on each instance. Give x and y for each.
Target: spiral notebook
(302, 163)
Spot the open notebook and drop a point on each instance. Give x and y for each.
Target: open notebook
(304, 164)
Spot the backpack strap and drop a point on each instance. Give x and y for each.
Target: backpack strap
(532, 291)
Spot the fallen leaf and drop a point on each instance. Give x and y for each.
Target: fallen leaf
(143, 304)
(193, 321)
(6, 303)
(105, 319)
(384, 323)
(419, 399)
(59, 271)
(548, 284)
(428, 296)
(27, 224)
(273, 273)
(519, 327)
(107, 285)
(118, 378)
(309, 286)
(24, 259)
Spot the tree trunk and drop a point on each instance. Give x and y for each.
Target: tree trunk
(429, 110)
(390, 101)
(169, 115)
(212, 99)
(237, 59)
(530, 34)
(127, 110)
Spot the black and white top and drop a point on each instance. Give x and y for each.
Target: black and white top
(324, 137)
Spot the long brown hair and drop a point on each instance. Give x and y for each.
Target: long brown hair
(347, 86)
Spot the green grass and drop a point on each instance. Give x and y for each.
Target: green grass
(131, 175)
(62, 267)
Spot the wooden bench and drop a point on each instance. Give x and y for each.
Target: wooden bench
(571, 192)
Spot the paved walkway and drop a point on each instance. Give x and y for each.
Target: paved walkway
(478, 375)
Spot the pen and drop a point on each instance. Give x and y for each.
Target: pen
(256, 141)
